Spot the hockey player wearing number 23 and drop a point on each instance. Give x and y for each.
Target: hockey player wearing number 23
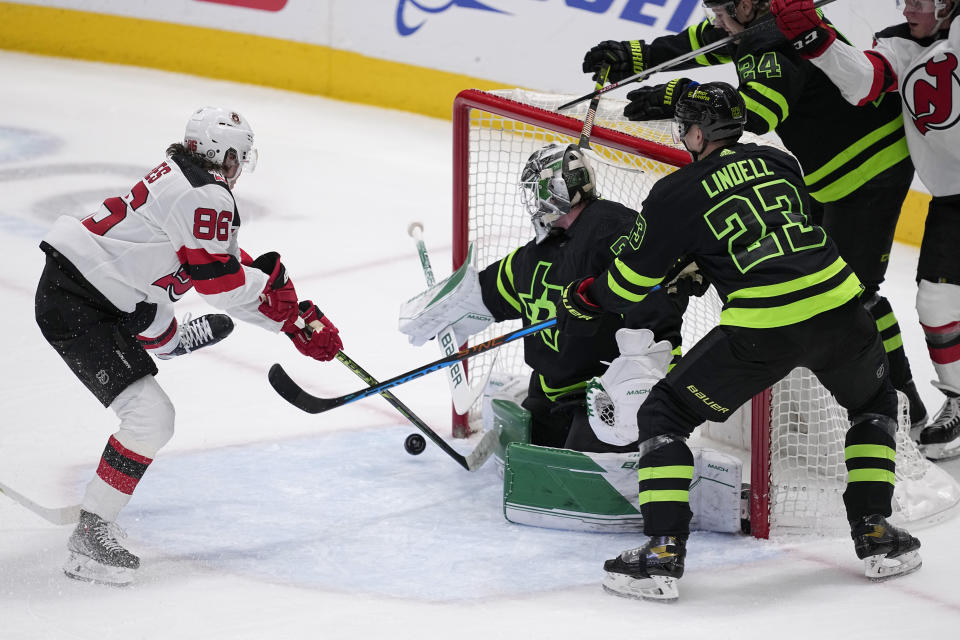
(576, 233)
(855, 160)
(789, 300)
(105, 304)
(920, 60)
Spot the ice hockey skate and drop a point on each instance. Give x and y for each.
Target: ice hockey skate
(649, 572)
(200, 332)
(940, 440)
(886, 551)
(95, 554)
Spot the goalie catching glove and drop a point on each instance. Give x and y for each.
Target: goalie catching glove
(613, 399)
(456, 302)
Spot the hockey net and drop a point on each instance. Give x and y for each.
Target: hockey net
(790, 437)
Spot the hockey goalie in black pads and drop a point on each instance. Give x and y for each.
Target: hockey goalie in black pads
(576, 233)
(790, 300)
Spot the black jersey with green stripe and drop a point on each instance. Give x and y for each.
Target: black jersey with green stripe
(527, 284)
(741, 214)
(839, 145)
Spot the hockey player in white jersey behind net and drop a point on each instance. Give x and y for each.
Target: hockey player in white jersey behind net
(576, 232)
(919, 59)
(105, 303)
(789, 300)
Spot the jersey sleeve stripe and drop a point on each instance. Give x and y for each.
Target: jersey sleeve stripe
(505, 281)
(884, 77)
(211, 273)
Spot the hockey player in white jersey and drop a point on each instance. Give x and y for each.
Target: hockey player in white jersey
(105, 303)
(919, 59)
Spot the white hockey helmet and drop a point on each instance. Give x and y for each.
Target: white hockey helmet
(554, 179)
(213, 132)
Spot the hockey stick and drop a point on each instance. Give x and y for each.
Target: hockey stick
(669, 64)
(471, 462)
(584, 142)
(295, 395)
(463, 394)
(62, 515)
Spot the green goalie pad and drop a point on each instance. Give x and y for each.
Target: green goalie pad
(573, 490)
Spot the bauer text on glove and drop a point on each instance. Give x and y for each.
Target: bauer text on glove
(624, 58)
(577, 313)
(657, 102)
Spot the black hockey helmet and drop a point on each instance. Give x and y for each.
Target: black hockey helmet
(716, 106)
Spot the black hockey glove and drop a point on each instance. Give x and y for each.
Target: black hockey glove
(625, 58)
(655, 103)
(577, 314)
(689, 282)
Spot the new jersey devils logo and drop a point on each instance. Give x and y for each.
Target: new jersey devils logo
(932, 94)
(177, 284)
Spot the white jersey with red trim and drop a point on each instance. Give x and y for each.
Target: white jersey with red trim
(927, 74)
(175, 230)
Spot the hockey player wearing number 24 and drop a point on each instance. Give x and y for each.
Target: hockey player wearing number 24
(105, 303)
(855, 159)
(576, 232)
(789, 300)
(920, 60)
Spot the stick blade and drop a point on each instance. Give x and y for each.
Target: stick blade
(290, 391)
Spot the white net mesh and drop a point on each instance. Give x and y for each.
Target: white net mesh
(807, 472)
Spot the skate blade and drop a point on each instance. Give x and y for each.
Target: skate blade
(656, 588)
(80, 567)
(941, 450)
(879, 568)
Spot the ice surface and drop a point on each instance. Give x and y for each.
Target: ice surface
(259, 521)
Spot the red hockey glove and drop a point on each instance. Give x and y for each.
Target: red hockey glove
(278, 300)
(319, 339)
(800, 22)
(577, 313)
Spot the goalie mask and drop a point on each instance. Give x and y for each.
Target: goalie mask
(716, 107)
(554, 179)
(223, 137)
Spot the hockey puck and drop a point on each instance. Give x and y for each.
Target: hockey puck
(414, 444)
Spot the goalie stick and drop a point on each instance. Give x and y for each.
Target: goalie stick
(471, 462)
(59, 516)
(295, 395)
(463, 394)
(670, 64)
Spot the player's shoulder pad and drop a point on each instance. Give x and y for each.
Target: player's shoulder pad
(896, 31)
(196, 175)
